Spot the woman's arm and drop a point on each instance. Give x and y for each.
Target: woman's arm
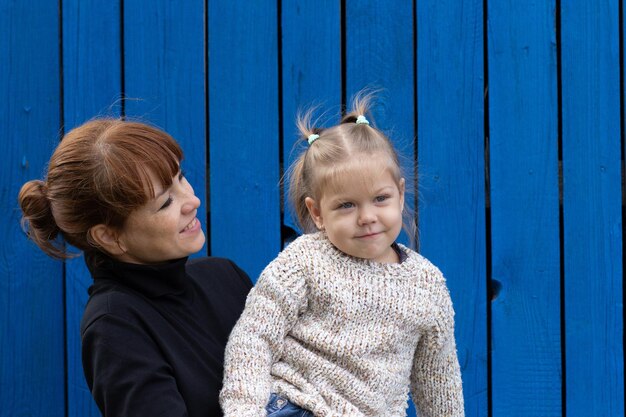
(125, 371)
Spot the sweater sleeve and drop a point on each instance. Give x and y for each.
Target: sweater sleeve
(257, 340)
(436, 384)
(126, 373)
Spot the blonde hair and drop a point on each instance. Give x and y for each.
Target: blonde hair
(320, 163)
(98, 174)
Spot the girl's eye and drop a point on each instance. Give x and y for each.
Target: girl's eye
(345, 206)
(167, 203)
(381, 198)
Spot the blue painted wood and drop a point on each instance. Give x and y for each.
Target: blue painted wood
(243, 133)
(311, 72)
(451, 167)
(526, 349)
(164, 79)
(380, 55)
(91, 87)
(592, 217)
(31, 286)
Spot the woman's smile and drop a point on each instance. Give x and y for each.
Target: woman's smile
(192, 227)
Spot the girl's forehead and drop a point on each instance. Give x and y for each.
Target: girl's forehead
(362, 174)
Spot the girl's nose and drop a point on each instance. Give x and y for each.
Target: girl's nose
(366, 216)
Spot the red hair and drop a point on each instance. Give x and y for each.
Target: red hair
(99, 174)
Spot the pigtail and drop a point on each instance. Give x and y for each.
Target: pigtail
(304, 124)
(299, 185)
(361, 105)
(37, 219)
(298, 191)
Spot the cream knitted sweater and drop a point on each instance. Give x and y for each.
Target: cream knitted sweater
(344, 336)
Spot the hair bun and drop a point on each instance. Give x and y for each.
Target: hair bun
(37, 220)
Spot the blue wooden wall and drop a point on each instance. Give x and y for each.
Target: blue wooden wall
(510, 115)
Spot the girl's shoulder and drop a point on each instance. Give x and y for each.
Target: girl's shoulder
(299, 255)
(308, 244)
(422, 265)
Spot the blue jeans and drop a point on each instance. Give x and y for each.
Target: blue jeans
(281, 407)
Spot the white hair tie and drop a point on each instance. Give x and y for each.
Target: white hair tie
(361, 120)
(312, 138)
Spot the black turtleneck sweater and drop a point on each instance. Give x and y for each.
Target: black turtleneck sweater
(153, 337)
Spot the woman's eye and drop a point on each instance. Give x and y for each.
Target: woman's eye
(167, 203)
(181, 175)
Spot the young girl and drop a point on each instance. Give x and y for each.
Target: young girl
(345, 321)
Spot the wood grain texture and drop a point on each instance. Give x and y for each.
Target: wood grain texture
(164, 79)
(451, 168)
(311, 73)
(91, 87)
(594, 355)
(244, 132)
(526, 349)
(32, 365)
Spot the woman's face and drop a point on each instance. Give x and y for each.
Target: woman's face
(165, 228)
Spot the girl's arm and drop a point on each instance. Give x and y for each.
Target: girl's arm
(256, 342)
(436, 384)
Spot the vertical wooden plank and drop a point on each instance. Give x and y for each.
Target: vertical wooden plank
(450, 87)
(526, 349)
(31, 288)
(91, 87)
(311, 70)
(243, 132)
(164, 78)
(380, 54)
(592, 215)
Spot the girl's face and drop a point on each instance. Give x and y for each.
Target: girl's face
(165, 228)
(362, 211)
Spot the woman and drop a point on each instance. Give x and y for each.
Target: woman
(155, 326)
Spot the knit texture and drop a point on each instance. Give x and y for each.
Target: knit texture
(344, 336)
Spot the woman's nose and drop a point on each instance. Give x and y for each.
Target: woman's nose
(191, 202)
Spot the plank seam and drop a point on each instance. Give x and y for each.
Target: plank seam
(559, 87)
(343, 57)
(488, 260)
(207, 182)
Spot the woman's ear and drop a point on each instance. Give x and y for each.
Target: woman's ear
(107, 239)
(314, 212)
